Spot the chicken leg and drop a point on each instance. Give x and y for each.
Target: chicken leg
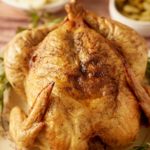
(24, 129)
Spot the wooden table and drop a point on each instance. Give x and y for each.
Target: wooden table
(12, 18)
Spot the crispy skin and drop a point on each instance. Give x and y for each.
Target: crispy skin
(24, 129)
(18, 53)
(90, 60)
(90, 96)
(132, 46)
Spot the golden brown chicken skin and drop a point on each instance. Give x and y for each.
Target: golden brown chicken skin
(81, 80)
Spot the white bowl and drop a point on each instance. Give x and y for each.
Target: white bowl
(141, 27)
(51, 7)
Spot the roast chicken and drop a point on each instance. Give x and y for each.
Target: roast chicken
(83, 83)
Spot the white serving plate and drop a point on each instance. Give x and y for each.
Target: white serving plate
(51, 7)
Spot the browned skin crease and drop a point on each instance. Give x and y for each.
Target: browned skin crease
(141, 93)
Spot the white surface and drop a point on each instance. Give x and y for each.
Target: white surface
(140, 26)
(5, 144)
(51, 7)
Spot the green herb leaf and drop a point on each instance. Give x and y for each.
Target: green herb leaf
(20, 29)
(3, 83)
(142, 147)
(55, 21)
(34, 18)
(41, 18)
(148, 71)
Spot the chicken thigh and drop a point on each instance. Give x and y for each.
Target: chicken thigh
(82, 79)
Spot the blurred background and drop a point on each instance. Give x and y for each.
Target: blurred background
(13, 20)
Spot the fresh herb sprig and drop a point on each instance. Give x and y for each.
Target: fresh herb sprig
(148, 70)
(145, 146)
(3, 83)
(34, 18)
(40, 18)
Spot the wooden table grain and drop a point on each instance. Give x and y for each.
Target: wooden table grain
(12, 18)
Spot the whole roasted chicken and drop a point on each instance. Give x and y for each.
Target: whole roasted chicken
(83, 81)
